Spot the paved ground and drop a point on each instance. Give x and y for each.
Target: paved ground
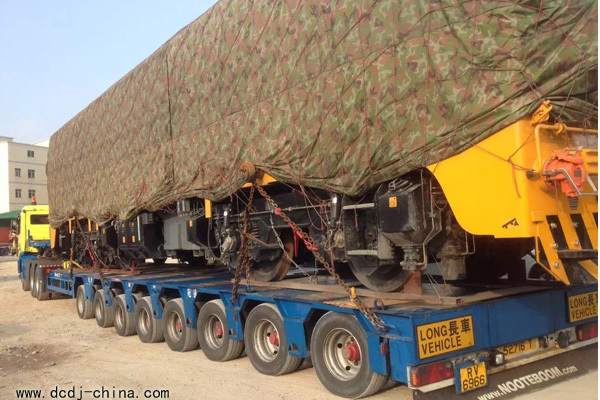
(44, 345)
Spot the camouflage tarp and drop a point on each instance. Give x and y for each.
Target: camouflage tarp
(339, 94)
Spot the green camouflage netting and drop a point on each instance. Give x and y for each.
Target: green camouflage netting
(340, 94)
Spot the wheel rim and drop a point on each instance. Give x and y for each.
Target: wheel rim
(266, 340)
(214, 332)
(175, 326)
(277, 269)
(37, 286)
(119, 316)
(342, 354)
(80, 304)
(383, 278)
(144, 322)
(99, 309)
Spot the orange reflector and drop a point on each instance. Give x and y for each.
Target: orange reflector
(430, 373)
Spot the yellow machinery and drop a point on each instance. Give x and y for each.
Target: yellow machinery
(530, 180)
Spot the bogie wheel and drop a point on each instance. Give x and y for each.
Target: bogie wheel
(124, 320)
(178, 335)
(41, 285)
(85, 309)
(212, 333)
(32, 269)
(266, 343)
(25, 283)
(105, 315)
(340, 357)
(380, 278)
(278, 268)
(148, 328)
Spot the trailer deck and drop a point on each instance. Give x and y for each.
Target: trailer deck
(499, 327)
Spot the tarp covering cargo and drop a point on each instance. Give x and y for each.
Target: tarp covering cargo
(340, 94)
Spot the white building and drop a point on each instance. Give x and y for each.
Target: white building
(22, 173)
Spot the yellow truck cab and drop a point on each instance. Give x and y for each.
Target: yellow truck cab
(33, 231)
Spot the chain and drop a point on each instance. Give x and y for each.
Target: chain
(243, 261)
(313, 246)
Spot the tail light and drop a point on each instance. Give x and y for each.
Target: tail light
(587, 331)
(431, 373)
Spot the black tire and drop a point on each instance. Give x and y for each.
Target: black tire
(105, 315)
(32, 268)
(338, 348)
(25, 284)
(148, 328)
(178, 335)
(41, 285)
(215, 342)
(85, 309)
(124, 320)
(266, 344)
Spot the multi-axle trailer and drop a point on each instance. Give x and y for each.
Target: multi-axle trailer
(461, 340)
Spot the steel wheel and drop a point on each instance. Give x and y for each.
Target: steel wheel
(175, 326)
(119, 316)
(342, 354)
(32, 268)
(178, 335)
(338, 348)
(266, 340)
(278, 268)
(213, 332)
(85, 309)
(80, 304)
(144, 321)
(380, 278)
(124, 320)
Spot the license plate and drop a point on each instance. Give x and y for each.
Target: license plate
(518, 348)
(583, 306)
(473, 377)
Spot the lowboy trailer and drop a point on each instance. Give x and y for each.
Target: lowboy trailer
(473, 342)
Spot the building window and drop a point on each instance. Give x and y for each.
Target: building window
(18, 172)
(31, 193)
(18, 193)
(31, 173)
(30, 153)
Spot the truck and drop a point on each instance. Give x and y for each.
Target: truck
(439, 340)
(339, 197)
(8, 235)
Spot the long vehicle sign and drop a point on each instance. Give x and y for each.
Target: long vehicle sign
(583, 306)
(445, 336)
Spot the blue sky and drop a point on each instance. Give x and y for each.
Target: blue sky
(58, 56)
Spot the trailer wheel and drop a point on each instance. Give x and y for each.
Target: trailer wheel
(178, 335)
(105, 316)
(148, 328)
(212, 333)
(340, 356)
(85, 309)
(32, 268)
(266, 343)
(25, 283)
(124, 320)
(41, 285)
